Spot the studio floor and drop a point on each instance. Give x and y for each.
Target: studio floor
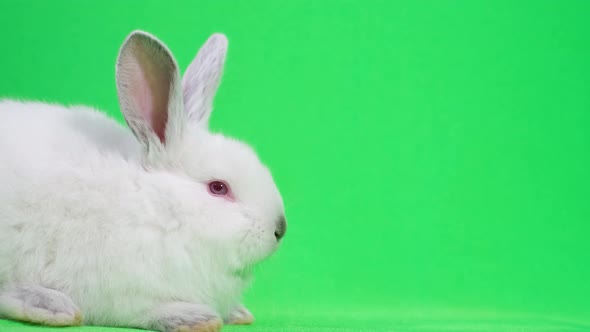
(373, 320)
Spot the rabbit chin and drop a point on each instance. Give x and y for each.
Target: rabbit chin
(254, 248)
(230, 240)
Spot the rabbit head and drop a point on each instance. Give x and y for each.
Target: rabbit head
(227, 200)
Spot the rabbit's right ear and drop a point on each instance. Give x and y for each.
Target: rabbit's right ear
(150, 92)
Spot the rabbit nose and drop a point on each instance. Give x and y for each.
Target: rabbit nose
(281, 228)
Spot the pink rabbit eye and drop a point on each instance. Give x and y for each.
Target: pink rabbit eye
(218, 188)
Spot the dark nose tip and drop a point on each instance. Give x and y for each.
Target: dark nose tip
(281, 228)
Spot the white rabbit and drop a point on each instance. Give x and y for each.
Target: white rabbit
(158, 229)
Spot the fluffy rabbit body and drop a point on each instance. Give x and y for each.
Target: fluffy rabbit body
(155, 228)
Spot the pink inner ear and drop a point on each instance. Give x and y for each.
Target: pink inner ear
(150, 88)
(154, 111)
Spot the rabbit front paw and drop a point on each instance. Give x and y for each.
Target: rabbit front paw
(39, 305)
(185, 317)
(240, 316)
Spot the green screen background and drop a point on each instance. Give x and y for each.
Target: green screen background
(434, 156)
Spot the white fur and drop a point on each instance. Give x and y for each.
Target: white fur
(125, 226)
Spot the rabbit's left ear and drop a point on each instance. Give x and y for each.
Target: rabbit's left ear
(150, 95)
(202, 78)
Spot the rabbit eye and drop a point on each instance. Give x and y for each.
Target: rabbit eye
(218, 188)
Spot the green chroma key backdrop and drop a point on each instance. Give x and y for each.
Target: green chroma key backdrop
(434, 156)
